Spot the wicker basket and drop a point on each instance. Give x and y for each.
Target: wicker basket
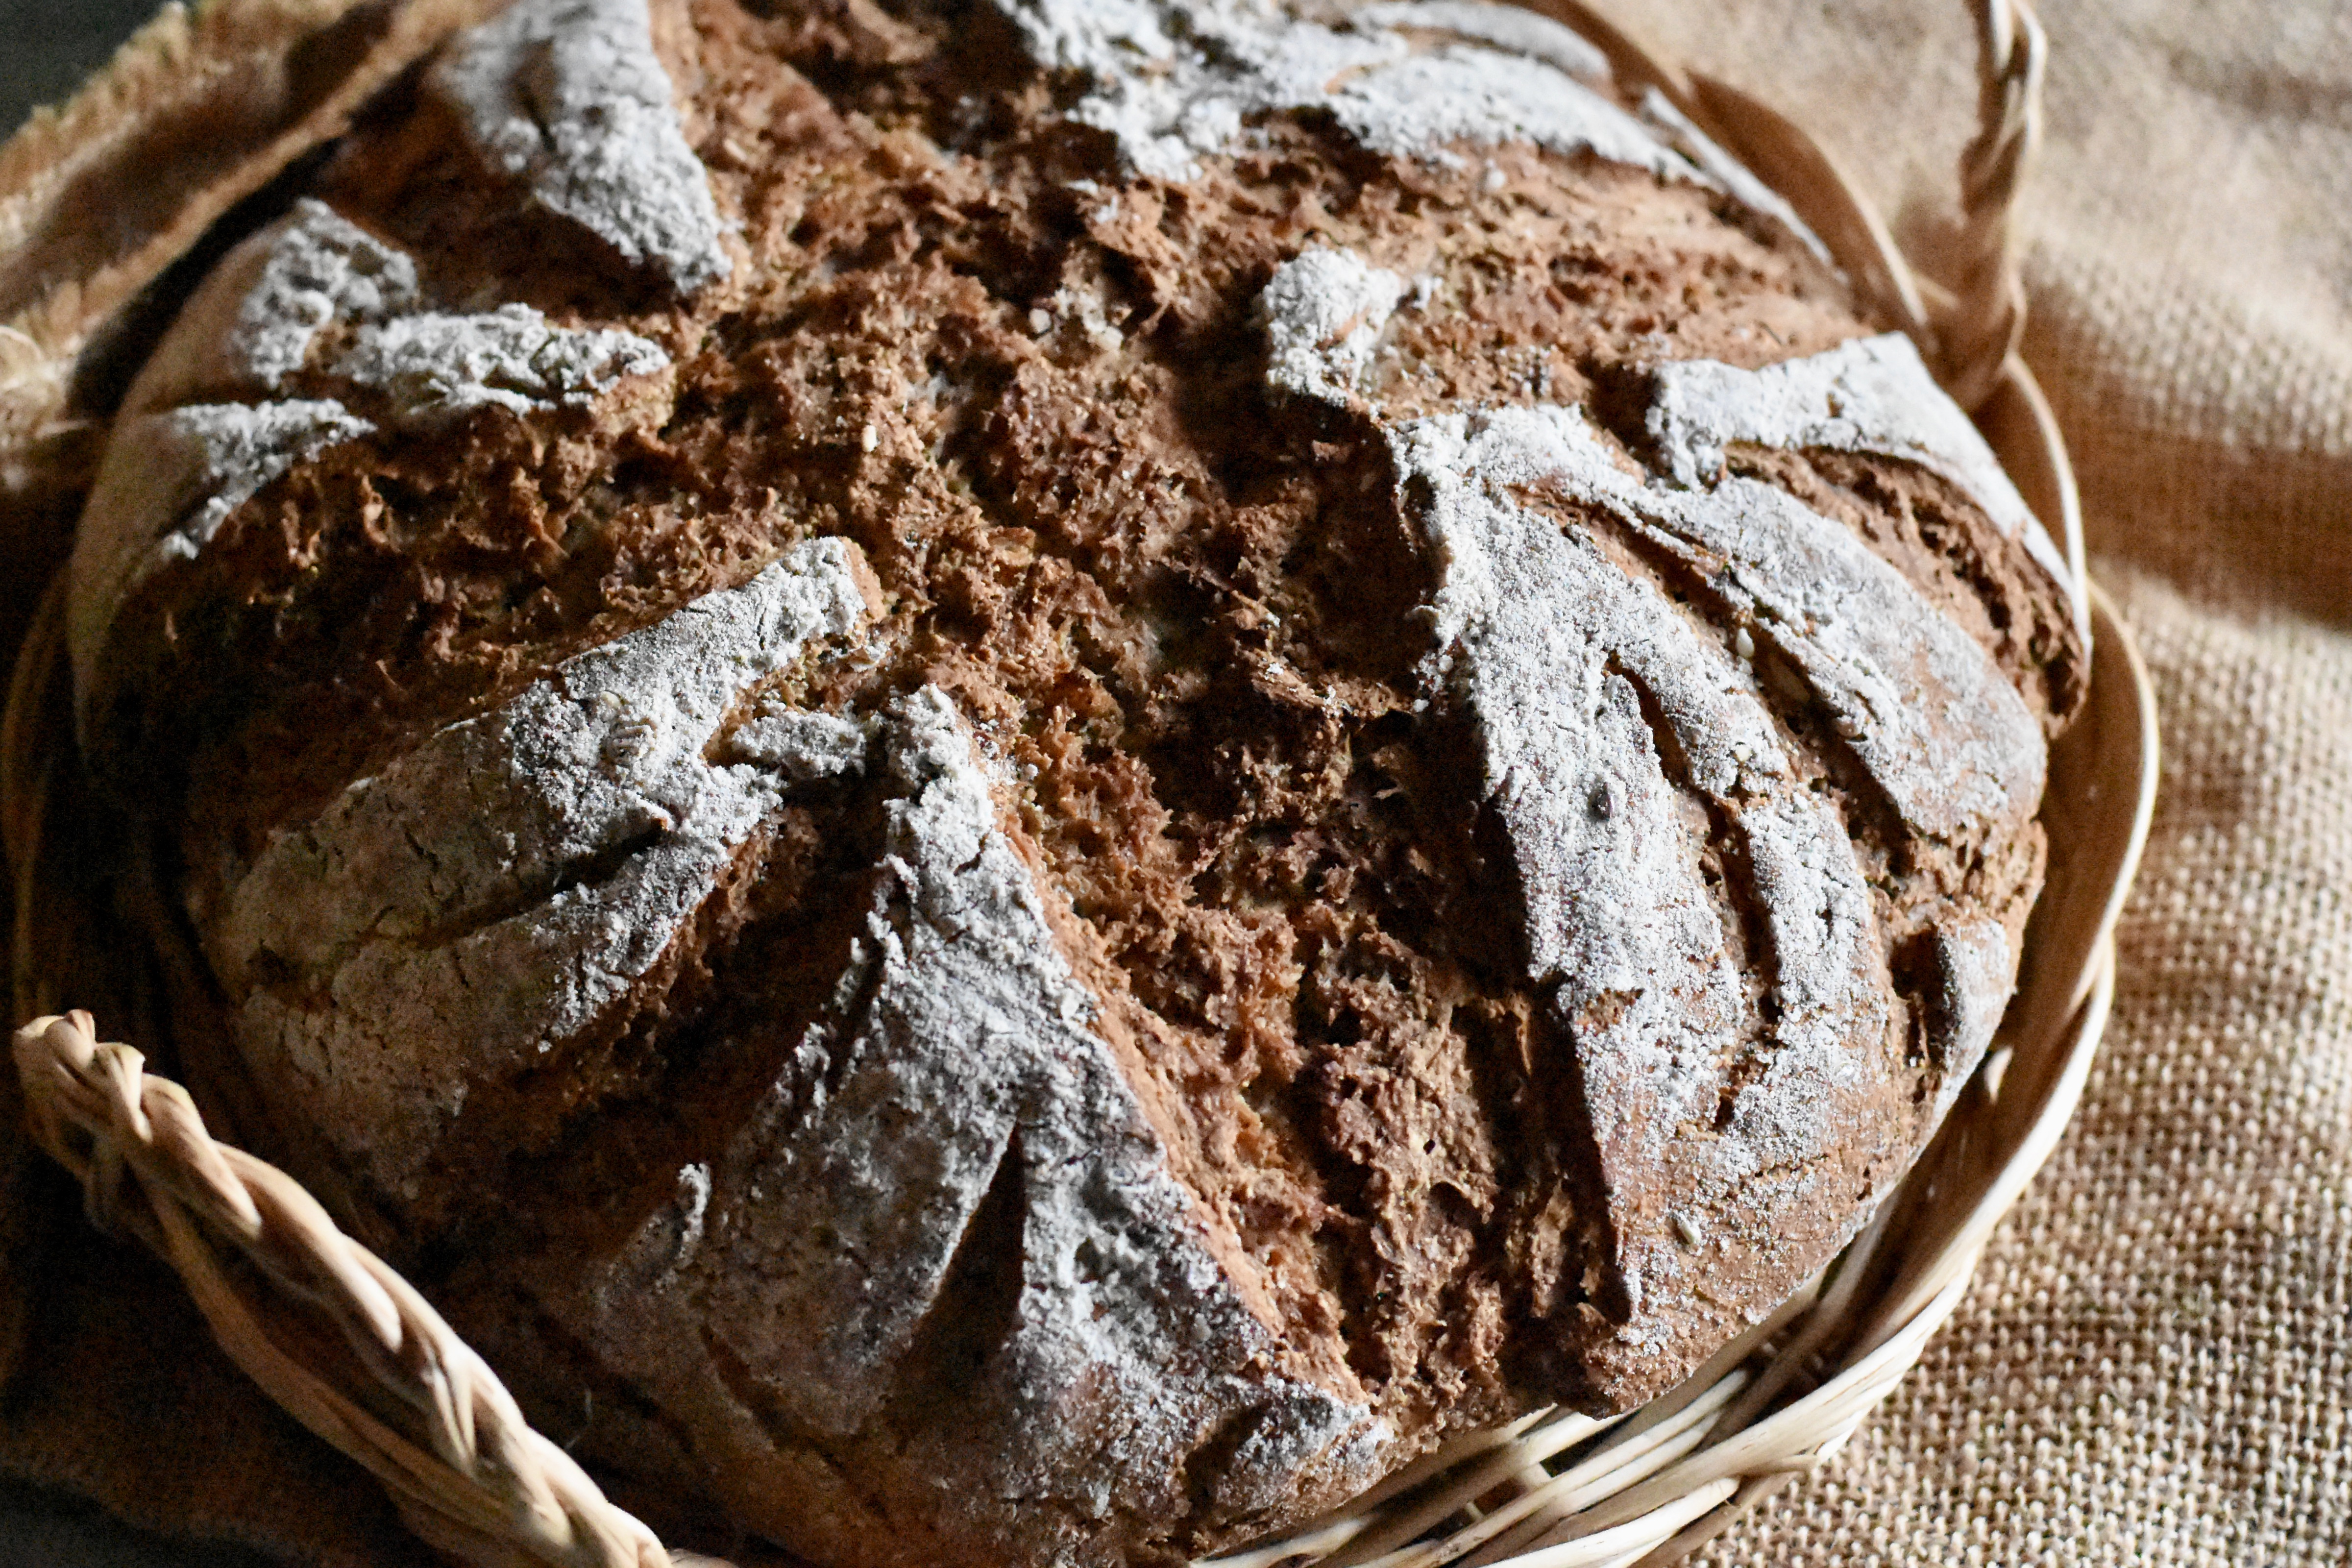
(337, 1339)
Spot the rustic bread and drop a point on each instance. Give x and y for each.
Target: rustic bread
(1019, 780)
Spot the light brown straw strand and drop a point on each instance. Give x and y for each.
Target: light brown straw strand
(1986, 320)
(449, 1443)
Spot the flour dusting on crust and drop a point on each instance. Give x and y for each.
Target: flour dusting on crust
(521, 869)
(1174, 81)
(250, 324)
(1322, 314)
(1975, 968)
(568, 97)
(168, 483)
(172, 477)
(1872, 394)
(963, 1074)
(1561, 657)
(437, 367)
(1582, 678)
(1524, 619)
(1507, 27)
(1925, 709)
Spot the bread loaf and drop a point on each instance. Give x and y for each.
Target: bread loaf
(1019, 780)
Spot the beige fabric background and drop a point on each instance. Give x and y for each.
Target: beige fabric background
(2156, 1363)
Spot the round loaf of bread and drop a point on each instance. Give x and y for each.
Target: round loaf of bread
(1021, 780)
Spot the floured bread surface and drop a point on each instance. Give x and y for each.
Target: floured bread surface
(1019, 781)
(569, 98)
(1602, 634)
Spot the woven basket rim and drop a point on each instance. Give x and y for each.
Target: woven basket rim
(1554, 1489)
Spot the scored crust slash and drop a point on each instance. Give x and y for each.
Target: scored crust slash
(1021, 781)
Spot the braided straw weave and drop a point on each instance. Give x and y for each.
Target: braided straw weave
(346, 1346)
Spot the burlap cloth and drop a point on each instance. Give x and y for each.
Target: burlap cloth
(2156, 1362)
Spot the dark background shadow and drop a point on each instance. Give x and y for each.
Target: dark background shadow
(48, 46)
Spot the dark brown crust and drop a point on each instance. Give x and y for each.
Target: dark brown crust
(1171, 601)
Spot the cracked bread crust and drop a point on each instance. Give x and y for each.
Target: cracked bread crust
(1195, 779)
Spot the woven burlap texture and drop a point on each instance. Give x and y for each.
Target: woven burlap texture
(2153, 1364)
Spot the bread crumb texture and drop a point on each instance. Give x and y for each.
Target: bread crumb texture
(1022, 779)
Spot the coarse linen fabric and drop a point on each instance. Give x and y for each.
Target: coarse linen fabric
(2155, 1364)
